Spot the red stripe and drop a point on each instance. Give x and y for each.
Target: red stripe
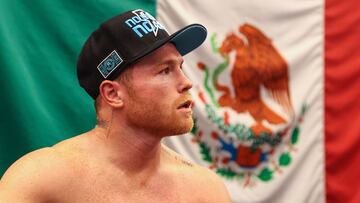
(342, 100)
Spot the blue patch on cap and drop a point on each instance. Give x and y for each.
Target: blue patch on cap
(109, 64)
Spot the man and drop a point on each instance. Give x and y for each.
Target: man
(131, 66)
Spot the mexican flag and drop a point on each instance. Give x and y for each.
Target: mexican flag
(276, 87)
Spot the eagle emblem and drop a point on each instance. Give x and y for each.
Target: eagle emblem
(254, 129)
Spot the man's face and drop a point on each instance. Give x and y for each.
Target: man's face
(158, 99)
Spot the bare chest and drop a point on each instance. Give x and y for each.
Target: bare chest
(114, 189)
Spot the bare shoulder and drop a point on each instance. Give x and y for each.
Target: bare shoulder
(34, 177)
(211, 185)
(201, 179)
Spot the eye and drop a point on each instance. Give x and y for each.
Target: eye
(165, 71)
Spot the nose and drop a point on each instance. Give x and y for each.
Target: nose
(185, 84)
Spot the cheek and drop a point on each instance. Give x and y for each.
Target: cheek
(155, 90)
(152, 98)
(156, 99)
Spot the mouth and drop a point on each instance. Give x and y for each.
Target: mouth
(188, 104)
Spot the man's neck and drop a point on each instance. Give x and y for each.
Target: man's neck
(133, 152)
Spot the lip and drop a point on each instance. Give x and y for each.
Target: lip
(186, 106)
(185, 110)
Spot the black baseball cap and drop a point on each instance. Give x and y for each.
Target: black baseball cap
(123, 40)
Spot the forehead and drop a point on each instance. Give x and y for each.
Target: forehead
(164, 54)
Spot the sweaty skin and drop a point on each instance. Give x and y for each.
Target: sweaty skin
(122, 160)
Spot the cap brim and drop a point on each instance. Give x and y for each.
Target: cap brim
(189, 38)
(185, 40)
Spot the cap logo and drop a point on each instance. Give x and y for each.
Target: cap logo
(143, 23)
(108, 65)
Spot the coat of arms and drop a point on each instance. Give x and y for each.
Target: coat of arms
(256, 127)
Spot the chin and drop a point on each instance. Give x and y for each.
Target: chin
(183, 127)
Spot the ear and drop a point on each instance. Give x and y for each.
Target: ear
(111, 93)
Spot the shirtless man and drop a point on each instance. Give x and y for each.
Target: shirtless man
(132, 68)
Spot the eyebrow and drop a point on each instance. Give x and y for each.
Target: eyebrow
(172, 61)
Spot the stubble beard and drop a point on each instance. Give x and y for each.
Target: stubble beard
(159, 119)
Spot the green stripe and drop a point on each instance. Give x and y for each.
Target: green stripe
(41, 101)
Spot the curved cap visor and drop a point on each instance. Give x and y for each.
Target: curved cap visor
(189, 38)
(185, 40)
